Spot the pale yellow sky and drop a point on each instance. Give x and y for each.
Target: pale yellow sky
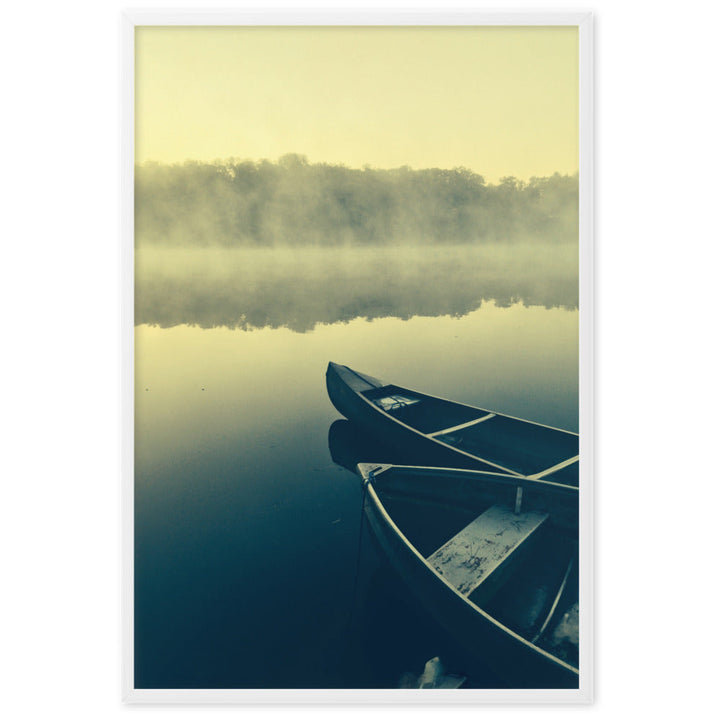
(498, 100)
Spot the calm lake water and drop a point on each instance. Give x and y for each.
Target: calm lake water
(251, 569)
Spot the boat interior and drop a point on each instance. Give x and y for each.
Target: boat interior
(516, 445)
(426, 414)
(509, 546)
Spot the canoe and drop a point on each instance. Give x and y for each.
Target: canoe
(443, 433)
(494, 562)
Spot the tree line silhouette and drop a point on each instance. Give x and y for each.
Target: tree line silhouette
(293, 202)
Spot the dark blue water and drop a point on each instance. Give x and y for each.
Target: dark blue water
(251, 569)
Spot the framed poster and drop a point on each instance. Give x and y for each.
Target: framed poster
(314, 202)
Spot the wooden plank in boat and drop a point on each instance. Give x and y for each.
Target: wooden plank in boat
(487, 545)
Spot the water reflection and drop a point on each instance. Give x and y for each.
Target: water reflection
(349, 445)
(246, 531)
(302, 287)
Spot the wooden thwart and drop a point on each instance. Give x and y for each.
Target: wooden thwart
(462, 426)
(485, 546)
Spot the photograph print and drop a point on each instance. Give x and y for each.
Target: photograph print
(357, 358)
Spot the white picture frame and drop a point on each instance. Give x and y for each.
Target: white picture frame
(584, 23)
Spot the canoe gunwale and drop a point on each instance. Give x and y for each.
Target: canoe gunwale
(525, 481)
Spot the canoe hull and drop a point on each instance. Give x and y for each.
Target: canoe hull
(344, 387)
(517, 661)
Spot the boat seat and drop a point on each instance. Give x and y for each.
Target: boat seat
(480, 556)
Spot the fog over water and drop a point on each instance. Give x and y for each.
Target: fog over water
(301, 287)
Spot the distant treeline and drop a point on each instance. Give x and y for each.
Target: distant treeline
(293, 202)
